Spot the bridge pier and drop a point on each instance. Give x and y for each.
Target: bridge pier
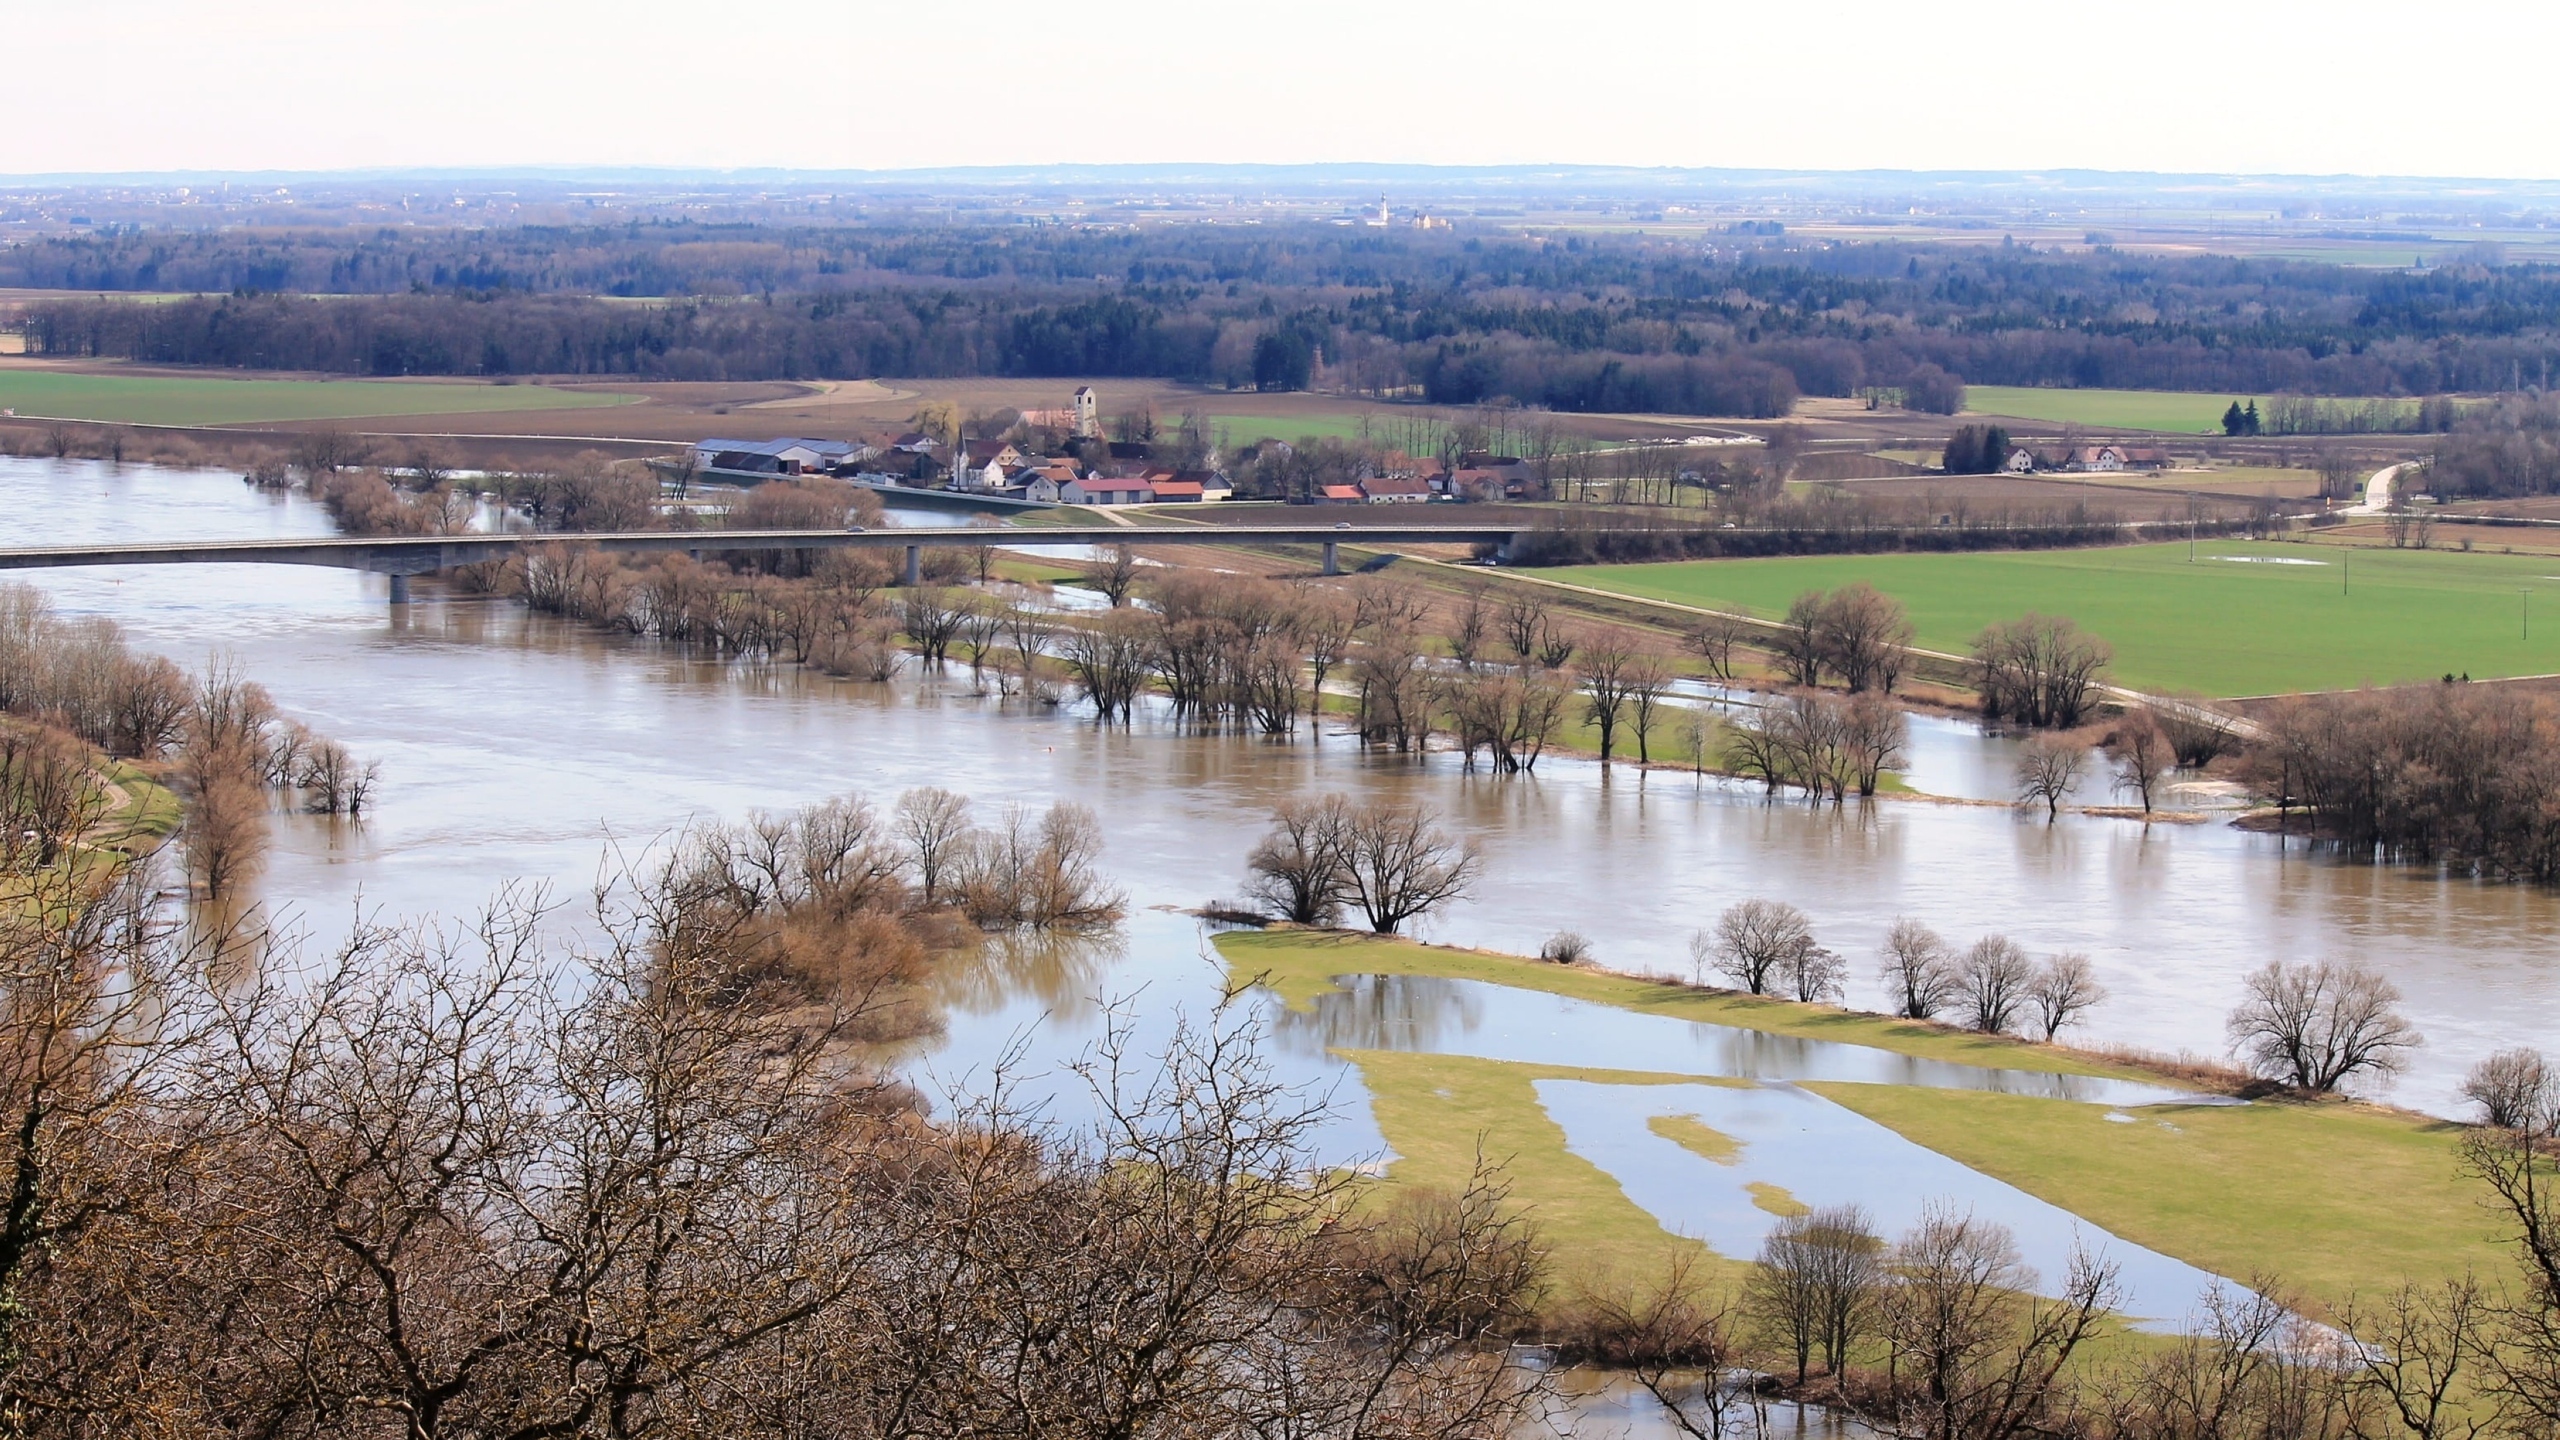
(1332, 558)
(399, 589)
(915, 565)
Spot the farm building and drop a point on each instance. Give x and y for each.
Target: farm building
(1103, 490)
(2101, 459)
(778, 457)
(1385, 491)
(1213, 486)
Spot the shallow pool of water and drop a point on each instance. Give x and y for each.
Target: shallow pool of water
(1438, 1016)
(1799, 1148)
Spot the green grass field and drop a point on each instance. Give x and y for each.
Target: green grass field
(2172, 411)
(189, 400)
(2242, 619)
(1245, 429)
(2332, 1199)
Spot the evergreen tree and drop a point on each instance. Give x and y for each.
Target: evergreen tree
(1975, 450)
(2233, 422)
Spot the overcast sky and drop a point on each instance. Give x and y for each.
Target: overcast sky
(2452, 87)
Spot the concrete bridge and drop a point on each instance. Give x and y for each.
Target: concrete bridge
(401, 556)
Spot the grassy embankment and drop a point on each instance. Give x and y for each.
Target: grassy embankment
(2229, 623)
(2332, 1198)
(187, 400)
(146, 820)
(138, 816)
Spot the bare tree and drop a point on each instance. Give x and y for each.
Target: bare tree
(1648, 686)
(1862, 635)
(2515, 1090)
(2039, 671)
(1116, 575)
(1524, 620)
(1604, 675)
(93, 1008)
(1695, 731)
(934, 830)
(2065, 987)
(2521, 1168)
(2315, 1026)
(1971, 1358)
(980, 623)
(2197, 733)
(1323, 629)
(327, 450)
(1713, 640)
(933, 618)
(2419, 1348)
(1298, 871)
(1919, 970)
(1996, 976)
(1753, 943)
(1814, 974)
(1042, 872)
(1816, 1285)
(225, 837)
(2048, 770)
(1470, 626)
(2142, 755)
(1109, 661)
(1800, 646)
(1676, 1339)
(1513, 717)
(681, 470)
(1875, 737)
(1399, 865)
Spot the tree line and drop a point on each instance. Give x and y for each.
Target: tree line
(74, 690)
(1637, 323)
(2451, 774)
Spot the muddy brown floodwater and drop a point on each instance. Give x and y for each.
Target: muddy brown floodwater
(515, 747)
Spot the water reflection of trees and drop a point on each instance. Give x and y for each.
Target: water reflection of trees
(1383, 1012)
(1058, 969)
(1436, 1015)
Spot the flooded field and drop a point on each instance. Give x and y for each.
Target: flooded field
(516, 746)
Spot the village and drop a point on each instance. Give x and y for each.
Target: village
(1064, 457)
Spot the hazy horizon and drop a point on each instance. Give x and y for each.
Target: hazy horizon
(2259, 87)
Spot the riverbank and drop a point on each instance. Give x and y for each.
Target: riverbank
(2329, 1198)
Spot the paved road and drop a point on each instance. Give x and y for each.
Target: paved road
(2377, 492)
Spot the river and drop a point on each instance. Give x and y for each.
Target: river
(514, 746)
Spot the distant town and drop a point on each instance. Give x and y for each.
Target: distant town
(1064, 457)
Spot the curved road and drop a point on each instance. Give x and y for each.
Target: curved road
(2377, 492)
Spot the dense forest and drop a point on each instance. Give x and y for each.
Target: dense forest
(1735, 324)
